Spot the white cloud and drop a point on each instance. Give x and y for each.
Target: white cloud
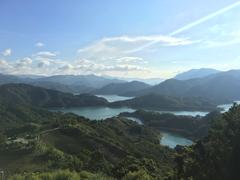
(7, 52)
(132, 60)
(25, 61)
(39, 44)
(3, 63)
(128, 45)
(43, 63)
(46, 54)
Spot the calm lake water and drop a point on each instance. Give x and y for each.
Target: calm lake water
(226, 107)
(186, 113)
(98, 113)
(95, 113)
(168, 138)
(113, 98)
(171, 140)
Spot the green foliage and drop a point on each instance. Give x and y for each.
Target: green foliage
(193, 127)
(216, 156)
(3, 139)
(163, 102)
(56, 141)
(136, 175)
(60, 175)
(23, 94)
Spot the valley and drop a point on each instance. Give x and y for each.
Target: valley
(74, 130)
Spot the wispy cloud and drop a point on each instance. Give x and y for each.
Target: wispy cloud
(193, 24)
(39, 44)
(7, 52)
(126, 44)
(46, 54)
(204, 19)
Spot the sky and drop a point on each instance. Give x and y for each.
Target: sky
(120, 38)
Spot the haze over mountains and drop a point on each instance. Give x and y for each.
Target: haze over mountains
(196, 73)
(65, 83)
(213, 85)
(222, 87)
(37, 139)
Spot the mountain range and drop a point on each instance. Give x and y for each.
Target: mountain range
(66, 83)
(222, 87)
(213, 85)
(196, 73)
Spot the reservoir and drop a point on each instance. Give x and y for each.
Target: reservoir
(172, 139)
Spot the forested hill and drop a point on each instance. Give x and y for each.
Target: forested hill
(216, 156)
(36, 96)
(38, 144)
(122, 88)
(190, 126)
(163, 102)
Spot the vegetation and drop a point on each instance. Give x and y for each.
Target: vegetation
(215, 156)
(60, 174)
(122, 88)
(23, 94)
(38, 144)
(162, 102)
(190, 126)
(34, 141)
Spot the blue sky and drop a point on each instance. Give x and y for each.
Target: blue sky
(137, 38)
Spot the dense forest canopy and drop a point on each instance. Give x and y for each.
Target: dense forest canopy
(47, 144)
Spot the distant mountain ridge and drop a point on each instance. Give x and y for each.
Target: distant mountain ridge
(222, 87)
(122, 88)
(196, 73)
(163, 102)
(219, 88)
(65, 83)
(86, 80)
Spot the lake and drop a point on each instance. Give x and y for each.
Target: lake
(169, 139)
(95, 113)
(114, 98)
(186, 113)
(226, 107)
(99, 113)
(172, 139)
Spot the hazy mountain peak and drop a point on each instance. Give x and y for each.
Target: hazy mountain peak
(196, 73)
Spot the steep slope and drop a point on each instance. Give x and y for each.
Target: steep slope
(163, 102)
(43, 141)
(76, 89)
(219, 88)
(196, 73)
(122, 88)
(36, 96)
(216, 156)
(193, 127)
